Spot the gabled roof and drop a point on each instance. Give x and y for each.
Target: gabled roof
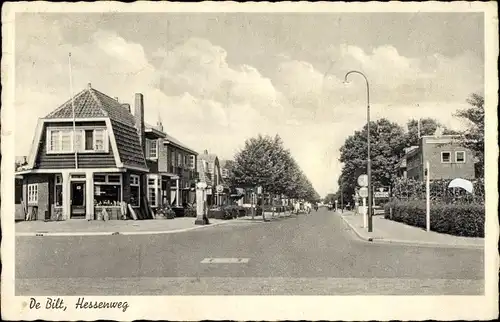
(209, 157)
(91, 103)
(170, 138)
(203, 173)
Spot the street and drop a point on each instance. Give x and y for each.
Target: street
(313, 254)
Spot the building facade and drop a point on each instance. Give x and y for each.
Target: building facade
(209, 170)
(447, 159)
(86, 160)
(172, 167)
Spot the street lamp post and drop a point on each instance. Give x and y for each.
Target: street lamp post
(369, 166)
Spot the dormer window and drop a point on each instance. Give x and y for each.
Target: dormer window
(85, 140)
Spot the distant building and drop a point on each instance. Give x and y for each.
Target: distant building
(172, 167)
(210, 172)
(447, 159)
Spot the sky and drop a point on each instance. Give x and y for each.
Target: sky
(217, 79)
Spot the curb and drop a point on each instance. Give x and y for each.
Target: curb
(114, 233)
(381, 240)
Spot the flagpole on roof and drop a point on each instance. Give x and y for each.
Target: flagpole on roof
(73, 110)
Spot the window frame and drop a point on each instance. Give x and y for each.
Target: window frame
(56, 184)
(464, 159)
(32, 190)
(155, 187)
(136, 182)
(449, 153)
(192, 161)
(150, 144)
(81, 130)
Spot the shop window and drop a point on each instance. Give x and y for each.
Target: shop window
(107, 190)
(135, 190)
(107, 195)
(153, 191)
(33, 193)
(58, 199)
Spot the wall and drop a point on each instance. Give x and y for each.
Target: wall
(438, 170)
(43, 181)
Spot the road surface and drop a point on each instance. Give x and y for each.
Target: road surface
(315, 254)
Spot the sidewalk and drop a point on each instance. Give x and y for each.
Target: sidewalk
(388, 231)
(82, 227)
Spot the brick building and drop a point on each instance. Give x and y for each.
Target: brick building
(447, 159)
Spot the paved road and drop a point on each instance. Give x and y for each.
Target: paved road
(315, 254)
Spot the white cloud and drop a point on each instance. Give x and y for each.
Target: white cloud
(209, 104)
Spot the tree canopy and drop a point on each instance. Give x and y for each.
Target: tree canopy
(265, 162)
(473, 136)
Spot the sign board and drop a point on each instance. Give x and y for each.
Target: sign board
(363, 192)
(363, 180)
(259, 190)
(381, 192)
(219, 188)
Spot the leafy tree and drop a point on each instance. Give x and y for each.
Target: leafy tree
(473, 137)
(265, 162)
(428, 126)
(387, 144)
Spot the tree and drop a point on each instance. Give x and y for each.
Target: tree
(265, 162)
(473, 136)
(387, 145)
(428, 126)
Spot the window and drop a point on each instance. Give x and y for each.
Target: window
(33, 193)
(151, 149)
(135, 200)
(58, 191)
(445, 157)
(99, 140)
(107, 190)
(86, 140)
(191, 161)
(179, 159)
(153, 191)
(172, 158)
(460, 156)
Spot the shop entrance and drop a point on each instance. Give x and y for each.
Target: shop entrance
(77, 199)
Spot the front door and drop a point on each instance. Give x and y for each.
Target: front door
(77, 199)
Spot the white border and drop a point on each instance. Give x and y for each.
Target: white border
(262, 307)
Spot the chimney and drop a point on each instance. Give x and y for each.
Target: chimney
(139, 120)
(127, 107)
(89, 86)
(205, 152)
(116, 99)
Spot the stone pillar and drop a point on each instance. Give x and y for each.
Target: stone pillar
(89, 184)
(66, 196)
(201, 217)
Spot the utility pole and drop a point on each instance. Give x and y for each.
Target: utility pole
(341, 194)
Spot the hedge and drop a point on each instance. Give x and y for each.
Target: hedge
(458, 219)
(408, 189)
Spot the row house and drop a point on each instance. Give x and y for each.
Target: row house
(209, 171)
(172, 168)
(447, 159)
(87, 155)
(92, 154)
